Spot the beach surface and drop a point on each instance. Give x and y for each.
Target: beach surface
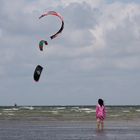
(68, 130)
(64, 124)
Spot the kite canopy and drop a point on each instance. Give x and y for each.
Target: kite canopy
(41, 44)
(53, 13)
(37, 72)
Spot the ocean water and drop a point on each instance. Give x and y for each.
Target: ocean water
(68, 123)
(68, 112)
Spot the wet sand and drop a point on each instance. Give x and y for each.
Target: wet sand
(68, 130)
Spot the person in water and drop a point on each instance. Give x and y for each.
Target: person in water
(100, 114)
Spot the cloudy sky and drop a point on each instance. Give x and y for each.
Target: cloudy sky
(96, 56)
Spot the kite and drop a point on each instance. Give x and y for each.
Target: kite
(41, 44)
(53, 13)
(37, 72)
(38, 69)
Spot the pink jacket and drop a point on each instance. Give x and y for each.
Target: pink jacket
(100, 112)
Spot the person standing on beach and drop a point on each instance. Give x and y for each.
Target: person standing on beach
(100, 114)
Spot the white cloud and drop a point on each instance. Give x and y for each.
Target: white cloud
(110, 30)
(92, 3)
(113, 17)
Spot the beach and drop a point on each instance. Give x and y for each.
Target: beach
(68, 123)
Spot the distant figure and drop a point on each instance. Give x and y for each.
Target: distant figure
(15, 105)
(100, 114)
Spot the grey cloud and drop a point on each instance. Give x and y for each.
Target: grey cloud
(79, 19)
(81, 15)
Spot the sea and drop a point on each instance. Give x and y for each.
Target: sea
(67, 112)
(68, 123)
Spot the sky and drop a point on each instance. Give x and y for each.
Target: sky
(96, 56)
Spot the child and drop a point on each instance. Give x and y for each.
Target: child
(100, 114)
